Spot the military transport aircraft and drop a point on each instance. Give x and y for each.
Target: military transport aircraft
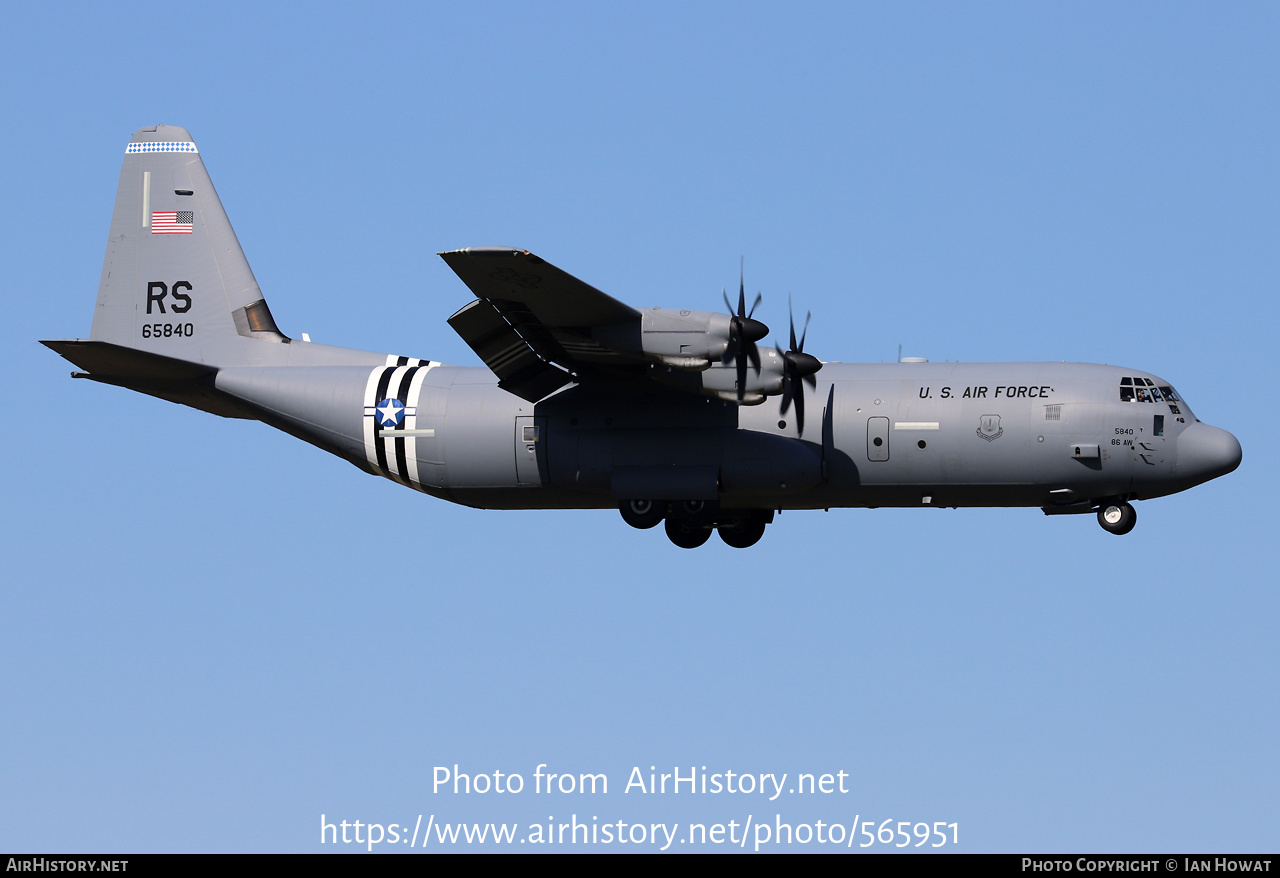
(672, 416)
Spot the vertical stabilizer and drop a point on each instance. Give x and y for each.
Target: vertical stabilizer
(175, 281)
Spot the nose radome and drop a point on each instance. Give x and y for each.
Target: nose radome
(1206, 452)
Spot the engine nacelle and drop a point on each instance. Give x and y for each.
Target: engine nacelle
(721, 379)
(698, 351)
(686, 340)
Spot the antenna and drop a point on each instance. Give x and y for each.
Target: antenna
(899, 353)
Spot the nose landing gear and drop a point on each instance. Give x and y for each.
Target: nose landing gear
(1117, 517)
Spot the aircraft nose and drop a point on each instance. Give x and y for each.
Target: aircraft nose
(1206, 452)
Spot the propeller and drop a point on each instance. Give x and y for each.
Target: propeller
(743, 335)
(798, 369)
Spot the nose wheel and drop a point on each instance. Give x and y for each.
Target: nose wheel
(1117, 517)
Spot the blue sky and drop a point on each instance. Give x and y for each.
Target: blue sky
(211, 634)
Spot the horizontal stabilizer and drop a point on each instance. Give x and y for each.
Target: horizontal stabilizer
(178, 381)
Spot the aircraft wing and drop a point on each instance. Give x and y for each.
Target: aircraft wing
(533, 324)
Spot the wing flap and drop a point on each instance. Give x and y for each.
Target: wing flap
(519, 368)
(534, 311)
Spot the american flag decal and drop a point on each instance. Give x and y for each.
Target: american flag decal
(172, 222)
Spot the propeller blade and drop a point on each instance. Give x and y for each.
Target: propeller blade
(798, 347)
(798, 369)
(786, 381)
(744, 332)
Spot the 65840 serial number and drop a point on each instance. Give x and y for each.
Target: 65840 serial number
(167, 330)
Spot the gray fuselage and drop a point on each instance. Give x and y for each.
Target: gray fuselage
(899, 434)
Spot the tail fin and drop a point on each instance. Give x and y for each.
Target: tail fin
(175, 281)
(177, 299)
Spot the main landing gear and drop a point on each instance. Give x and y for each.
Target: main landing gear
(689, 523)
(642, 514)
(1117, 516)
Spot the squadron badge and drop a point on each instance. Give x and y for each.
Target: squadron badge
(989, 427)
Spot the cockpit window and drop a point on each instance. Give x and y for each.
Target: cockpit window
(1145, 390)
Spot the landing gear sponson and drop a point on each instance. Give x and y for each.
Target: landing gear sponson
(689, 523)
